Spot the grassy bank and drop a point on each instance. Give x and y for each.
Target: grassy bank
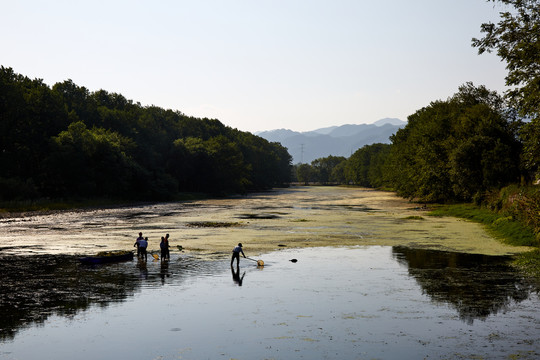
(529, 263)
(501, 226)
(504, 226)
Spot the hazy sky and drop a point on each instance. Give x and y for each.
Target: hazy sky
(257, 64)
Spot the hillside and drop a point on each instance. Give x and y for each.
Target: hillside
(342, 140)
(65, 142)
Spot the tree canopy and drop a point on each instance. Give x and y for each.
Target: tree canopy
(455, 149)
(516, 40)
(66, 141)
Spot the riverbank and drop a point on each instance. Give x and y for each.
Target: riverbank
(10, 209)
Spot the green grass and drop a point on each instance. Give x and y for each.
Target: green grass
(501, 226)
(529, 263)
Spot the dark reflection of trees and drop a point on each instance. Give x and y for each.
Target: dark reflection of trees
(475, 285)
(34, 287)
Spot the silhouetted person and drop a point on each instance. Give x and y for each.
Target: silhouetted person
(236, 254)
(164, 245)
(143, 244)
(137, 244)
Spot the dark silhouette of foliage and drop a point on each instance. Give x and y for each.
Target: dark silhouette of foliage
(67, 142)
(455, 149)
(366, 166)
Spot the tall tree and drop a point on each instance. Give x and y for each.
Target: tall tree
(455, 149)
(516, 39)
(66, 141)
(324, 167)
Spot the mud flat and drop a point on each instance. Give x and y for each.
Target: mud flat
(297, 217)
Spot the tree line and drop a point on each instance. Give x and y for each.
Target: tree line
(474, 142)
(65, 141)
(453, 150)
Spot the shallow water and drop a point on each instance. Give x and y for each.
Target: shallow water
(294, 217)
(387, 293)
(373, 302)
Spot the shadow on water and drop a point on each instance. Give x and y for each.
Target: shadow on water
(36, 287)
(476, 286)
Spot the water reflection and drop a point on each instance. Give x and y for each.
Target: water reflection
(36, 287)
(164, 271)
(333, 303)
(236, 275)
(475, 285)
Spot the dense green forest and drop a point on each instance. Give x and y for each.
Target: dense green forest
(65, 142)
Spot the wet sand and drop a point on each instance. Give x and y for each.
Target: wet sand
(297, 217)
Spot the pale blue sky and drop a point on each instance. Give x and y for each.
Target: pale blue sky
(257, 65)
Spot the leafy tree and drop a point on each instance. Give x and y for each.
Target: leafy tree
(338, 173)
(305, 173)
(323, 167)
(78, 102)
(366, 166)
(90, 162)
(516, 39)
(29, 114)
(66, 141)
(455, 149)
(268, 164)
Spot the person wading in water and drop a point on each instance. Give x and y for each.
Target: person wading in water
(137, 244)
(164, 245)
(236, 254)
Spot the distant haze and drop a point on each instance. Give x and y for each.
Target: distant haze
(341, 140)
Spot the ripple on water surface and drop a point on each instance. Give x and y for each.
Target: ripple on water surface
(351, 302)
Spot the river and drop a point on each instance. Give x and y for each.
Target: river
(374, 278)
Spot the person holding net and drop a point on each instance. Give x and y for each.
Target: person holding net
(236, 254)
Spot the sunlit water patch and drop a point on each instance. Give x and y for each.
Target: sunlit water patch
(332, 303)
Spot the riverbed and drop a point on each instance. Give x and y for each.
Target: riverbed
(349, 274)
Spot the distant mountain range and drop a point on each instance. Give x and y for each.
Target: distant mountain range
(342, 140)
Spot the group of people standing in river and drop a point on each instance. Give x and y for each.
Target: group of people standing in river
(142, 244)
